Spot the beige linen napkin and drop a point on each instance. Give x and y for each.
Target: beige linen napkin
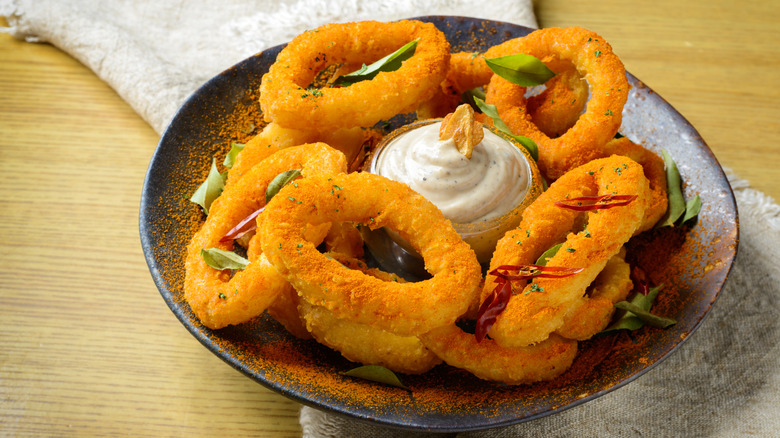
(156, 53)
(724, 381)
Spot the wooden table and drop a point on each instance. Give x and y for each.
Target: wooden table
(88, 347)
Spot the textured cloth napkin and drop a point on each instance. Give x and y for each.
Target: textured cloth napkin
(156, 53)
(724, 381)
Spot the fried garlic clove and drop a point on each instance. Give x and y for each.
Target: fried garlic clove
(463, 129)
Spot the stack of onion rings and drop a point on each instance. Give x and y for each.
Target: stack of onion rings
(305, 259)
(217, 298)
(541, 308)
(373, 201)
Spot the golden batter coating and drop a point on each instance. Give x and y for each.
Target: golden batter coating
(374, 201)
(287, 100)
(216, 297)
(541, 307)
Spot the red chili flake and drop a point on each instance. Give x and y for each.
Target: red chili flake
(492, 307)
(355, 162)
(498, 299)
(246, 225)
(526, 272)
(641, 283)
(585, 203)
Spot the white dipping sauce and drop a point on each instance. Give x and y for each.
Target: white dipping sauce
(490, 184)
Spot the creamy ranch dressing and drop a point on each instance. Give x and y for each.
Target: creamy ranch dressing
(493, 182)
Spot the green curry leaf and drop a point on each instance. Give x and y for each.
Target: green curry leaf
(280, 181)
(210, 189)
(692, 208)
(221, 259)
(645, 316)
(547, 255)
(674, 190)
(230, 158)
(627, 320)
(678, 208)
(520, 69)
(492, 112)
(389, 63)
(376, 373)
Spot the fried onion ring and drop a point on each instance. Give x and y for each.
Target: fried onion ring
(556, 109)
(285, 311)
(613, 284)
(374, 201)
(565, 138)
(490, 361)
(541, 307)
(606, 75)
(286, 100)
(653, 166)
(217, 298)
(365, 343)
(344, 238)
(274, 137)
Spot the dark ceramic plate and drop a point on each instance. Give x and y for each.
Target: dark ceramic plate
(693, 263)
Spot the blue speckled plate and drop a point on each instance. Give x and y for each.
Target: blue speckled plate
(693, 264)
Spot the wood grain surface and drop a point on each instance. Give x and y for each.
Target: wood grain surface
(87, 345)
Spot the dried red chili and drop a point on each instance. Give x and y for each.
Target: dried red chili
(246, 225)
(526, 272)
(641, 283)
(585, 203)
(492, 307)
(498, 299)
